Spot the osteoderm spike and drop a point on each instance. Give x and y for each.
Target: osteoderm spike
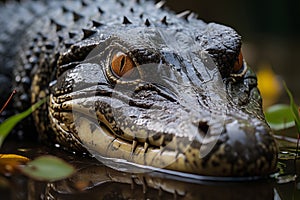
(88, 32)
(52, 21)
(44, 37)
(100, 10)
(76, 16)
(60, 38)
(194, 15)
(185, 14)
(59, 26)
(83, 3)
(164, 20)
(64, 9)
(68, 44)
(49, 45)
(96, 23)
(126, 20)
(160, 4)
(121, 3)
(147, 22)
(72, 34)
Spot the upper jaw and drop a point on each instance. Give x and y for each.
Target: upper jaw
(243, 144)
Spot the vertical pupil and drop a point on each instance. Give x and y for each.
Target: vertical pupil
(122, 64)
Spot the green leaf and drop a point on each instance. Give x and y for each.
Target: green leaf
(48, 168)
(11, 122)
(294, 108)
(280, 117)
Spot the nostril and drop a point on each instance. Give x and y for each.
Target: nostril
(203, 127)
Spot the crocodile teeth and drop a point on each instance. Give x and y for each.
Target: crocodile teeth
(133, 147)
(146, 145)
(144, 184)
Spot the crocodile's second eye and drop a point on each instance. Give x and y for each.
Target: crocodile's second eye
(238, 65)
(239, 68)
(122, 64)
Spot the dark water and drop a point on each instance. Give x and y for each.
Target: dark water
(93, 180)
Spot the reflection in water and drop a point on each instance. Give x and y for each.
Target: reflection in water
(96, 181)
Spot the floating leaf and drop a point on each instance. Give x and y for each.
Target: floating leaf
(9, 163)
(48, 168)
(10, 123)
(280, 117)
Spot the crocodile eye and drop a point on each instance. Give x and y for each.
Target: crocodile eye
(121, 64)
(238, 65)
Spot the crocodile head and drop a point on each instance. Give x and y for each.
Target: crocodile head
(175, 97)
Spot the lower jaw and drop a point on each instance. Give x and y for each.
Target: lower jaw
(102, 144)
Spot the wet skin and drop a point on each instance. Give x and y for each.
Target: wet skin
(144, 86)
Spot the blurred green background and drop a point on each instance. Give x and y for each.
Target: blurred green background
(270, 31)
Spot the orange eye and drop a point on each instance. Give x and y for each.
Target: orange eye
(121, 64)
(238, 65)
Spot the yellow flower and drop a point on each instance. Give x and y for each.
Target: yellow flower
(269, 85)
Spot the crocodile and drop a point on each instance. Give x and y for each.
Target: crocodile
(133, 82)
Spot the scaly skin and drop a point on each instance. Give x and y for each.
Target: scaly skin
(188, 101)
